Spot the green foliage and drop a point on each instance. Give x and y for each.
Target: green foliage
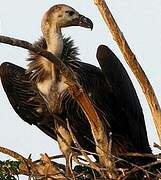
(9, 169)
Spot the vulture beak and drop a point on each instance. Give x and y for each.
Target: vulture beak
(83, 22)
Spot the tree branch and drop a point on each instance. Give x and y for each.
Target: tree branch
(133, 64)
(76, 91)
(13, 154)
(40, 168)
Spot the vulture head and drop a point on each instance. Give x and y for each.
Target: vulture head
(57, 17)
(62, 15)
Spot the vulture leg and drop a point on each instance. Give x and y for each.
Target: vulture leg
(65, 142)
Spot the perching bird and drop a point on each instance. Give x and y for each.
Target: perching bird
(40, 94)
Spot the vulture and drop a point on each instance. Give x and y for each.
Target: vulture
(39, 94)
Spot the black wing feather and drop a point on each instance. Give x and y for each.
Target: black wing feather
(126, 96)
(25, 98)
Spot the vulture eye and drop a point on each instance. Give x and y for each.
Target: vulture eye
(71, 13)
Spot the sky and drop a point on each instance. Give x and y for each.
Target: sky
(138, 20)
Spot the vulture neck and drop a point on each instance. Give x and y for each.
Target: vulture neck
(54, 39)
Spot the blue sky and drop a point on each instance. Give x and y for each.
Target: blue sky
(139, 22)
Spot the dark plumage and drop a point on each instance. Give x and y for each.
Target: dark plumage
(125, 94)
(110, 90)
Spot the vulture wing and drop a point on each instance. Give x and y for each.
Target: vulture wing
(25, 98)
(123, 90)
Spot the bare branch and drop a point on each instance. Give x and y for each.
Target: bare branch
(157, 146)
(93, 165)
(13, 154)
(76, 91)
(40, 168)
(133, 63)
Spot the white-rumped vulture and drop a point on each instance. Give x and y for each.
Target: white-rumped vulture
(40, 96)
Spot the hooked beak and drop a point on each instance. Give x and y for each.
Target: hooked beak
(83, 22)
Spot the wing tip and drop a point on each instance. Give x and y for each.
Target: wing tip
(3, 68)
(104, 52)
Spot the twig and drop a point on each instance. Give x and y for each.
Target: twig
(37, 168)
(52, 157)
(92, 164)
(49, 170)
(26, 163)
(13, 154)
(143, 168)
(133, 64)
(140, 155)
(137, 168)
(157, 146)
